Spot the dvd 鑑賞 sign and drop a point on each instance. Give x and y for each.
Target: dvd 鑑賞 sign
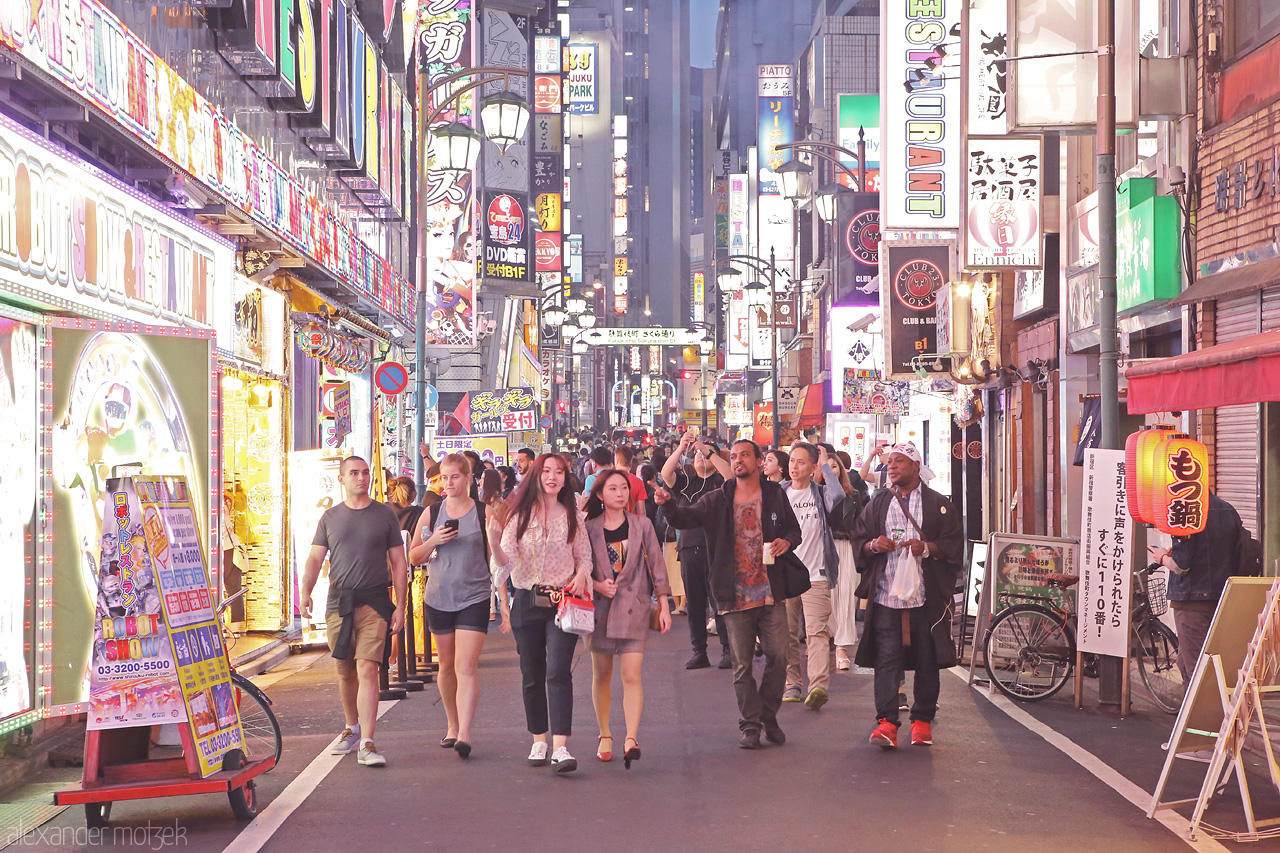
(504, 410)
(507, 232)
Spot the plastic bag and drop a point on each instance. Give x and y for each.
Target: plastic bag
(908, 579)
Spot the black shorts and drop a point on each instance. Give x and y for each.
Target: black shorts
(472, 618)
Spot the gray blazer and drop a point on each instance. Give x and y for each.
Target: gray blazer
(626, 615)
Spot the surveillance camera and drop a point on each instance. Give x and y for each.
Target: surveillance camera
(1177, 177)
(863, 324)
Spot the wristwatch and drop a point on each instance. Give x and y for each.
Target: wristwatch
(925, 554)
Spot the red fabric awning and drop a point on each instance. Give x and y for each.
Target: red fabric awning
(809, 410)
(1242, 371)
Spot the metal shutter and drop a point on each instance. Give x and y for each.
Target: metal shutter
(1237, 473)
(1270, 310)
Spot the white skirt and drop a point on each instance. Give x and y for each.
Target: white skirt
(844, 604)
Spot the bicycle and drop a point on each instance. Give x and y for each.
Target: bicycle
(257, 720)
(1030, 646)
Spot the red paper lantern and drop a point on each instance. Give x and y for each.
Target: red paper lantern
(1181, 494)
(1139, 468)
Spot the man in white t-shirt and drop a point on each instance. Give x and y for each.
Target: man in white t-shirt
(817, 550)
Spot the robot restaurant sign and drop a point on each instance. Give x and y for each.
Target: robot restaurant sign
(921, 149)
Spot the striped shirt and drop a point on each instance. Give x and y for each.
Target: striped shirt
(899, 529)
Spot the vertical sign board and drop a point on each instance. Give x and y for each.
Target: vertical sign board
(911, 272)
(775, 95)
(445, 46)
(1106, 542)
(986, 48)
(860, 113)
(581, 79)
(738, 222)
(507, 237)
(921, 125)
(858, 281)
(1002, 214)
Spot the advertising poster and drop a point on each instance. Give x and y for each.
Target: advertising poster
(762, 430)
(19, 431)
(580, 71)
(865, 394)
(854, 435)
(173, 543)
(133, 680)
(444, 47)
(911, 272)
(922, 150)
(315, 486)
(859, 229)
(504, 410)
(1021, 562)
(492, 448)
(507, 237)
(1106, 543)
(860, 350)
(1002, 214)
(122, 404)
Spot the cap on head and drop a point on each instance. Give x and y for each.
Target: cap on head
(908, 450)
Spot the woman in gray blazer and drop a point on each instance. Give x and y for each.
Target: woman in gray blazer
(627, 571)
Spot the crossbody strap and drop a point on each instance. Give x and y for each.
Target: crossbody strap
(906, 510)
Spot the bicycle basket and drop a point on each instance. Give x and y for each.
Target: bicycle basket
(1157, 596)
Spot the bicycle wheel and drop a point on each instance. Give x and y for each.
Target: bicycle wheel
(1156, 651)
(1029, 653)
(261, 729)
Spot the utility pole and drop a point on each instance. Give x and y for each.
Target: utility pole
(1110, 673)
(773, 323)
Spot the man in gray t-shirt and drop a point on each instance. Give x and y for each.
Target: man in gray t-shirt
(360, 536)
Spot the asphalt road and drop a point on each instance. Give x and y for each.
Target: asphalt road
(988, 783)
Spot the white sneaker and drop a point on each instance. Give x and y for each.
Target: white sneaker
(370, 757)
(346, 742)
(562, 761)
(538, 755)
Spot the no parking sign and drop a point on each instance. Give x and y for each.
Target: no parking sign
(391, 378)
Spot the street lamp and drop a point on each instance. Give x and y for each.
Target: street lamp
(575, 305)
(504, 117)
(827, 201)
(579, 346)
(554, 316)
(456, 148)
(770, 266)
(587, 320)
(795, 177)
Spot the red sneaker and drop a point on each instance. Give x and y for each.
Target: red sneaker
(921, 733)
(885, 735)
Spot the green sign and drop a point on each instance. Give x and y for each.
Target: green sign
(1148, 245)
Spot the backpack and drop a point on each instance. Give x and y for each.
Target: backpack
(436, 508)
(1248, 555)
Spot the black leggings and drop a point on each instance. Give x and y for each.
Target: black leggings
(693, 568)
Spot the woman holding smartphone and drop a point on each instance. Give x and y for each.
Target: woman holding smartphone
(542, 547)
(450, 539)
(628, 571)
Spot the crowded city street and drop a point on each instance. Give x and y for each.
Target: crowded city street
(639, 425)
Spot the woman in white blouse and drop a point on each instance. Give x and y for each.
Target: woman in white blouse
(542, 543)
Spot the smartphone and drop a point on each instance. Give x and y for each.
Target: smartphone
(450, 524)
(695, 430)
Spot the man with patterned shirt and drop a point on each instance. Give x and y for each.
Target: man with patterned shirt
(910, 602)
(742, 518)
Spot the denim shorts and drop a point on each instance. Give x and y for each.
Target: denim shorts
(474, 617)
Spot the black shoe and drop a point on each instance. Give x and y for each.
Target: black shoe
(726, 660)
(759, 651)
(698, 661)
(903, 704)
(774, 734)
(750, 739)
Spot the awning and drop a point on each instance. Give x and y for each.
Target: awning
(1242, 371)
(1230, 282)
(809, 409)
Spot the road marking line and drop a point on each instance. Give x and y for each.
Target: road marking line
(264, 826)
(1174, 822)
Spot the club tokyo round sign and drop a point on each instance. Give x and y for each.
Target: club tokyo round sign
(862, 237)
(916, 285)
(506, 221)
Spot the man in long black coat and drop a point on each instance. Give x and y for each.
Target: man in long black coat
(909, 543)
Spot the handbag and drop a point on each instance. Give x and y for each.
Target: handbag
(795, 575)
(576, 615)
